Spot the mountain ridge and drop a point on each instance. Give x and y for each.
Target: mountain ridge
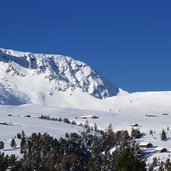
(57, 72)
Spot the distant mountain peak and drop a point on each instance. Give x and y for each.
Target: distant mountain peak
(57, 72)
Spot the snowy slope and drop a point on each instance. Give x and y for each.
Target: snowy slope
(121, 111)
(39, 78)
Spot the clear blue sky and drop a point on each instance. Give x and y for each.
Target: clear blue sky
(127, 41)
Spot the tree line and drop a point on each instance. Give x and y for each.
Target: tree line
(89, 151)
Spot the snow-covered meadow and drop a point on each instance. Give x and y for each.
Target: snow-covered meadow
(145, 109)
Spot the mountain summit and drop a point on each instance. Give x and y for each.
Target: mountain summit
(23, 74)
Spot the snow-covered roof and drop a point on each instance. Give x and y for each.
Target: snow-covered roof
(89, 116)
(135, 124)
(160, 148)
(144, 143)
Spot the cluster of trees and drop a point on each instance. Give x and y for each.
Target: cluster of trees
(163, 136)
(162, 166)
(66, 120)
(135, 133)
(85, 152)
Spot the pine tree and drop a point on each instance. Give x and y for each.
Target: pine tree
(95, 127)
(1, 144)
(110, 131)
(161, 167)
(87, 124)
(155, 162)
(3, 165)
(168, 164)
(13, 143)
(135, 133)
(23, 145)
(128, 160)
(151, 167)
(163, 135)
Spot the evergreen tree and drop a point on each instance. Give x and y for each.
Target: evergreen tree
(126, 159)
(13, 143)
(95, 127)
(155, 162)
(151, 167)
(18, 135)
(12, 160)
(151, 132)
(23, 145)
(135, 133)
(3, 163)
(1, 144)
(163, 135)
(22, 134)
(110, 129)
(168, 165)
(122, 137)
(87, 124)
(161, 167)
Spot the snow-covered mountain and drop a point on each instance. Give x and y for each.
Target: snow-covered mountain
(40, 78)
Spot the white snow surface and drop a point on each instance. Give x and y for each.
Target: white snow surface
(120, 111)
